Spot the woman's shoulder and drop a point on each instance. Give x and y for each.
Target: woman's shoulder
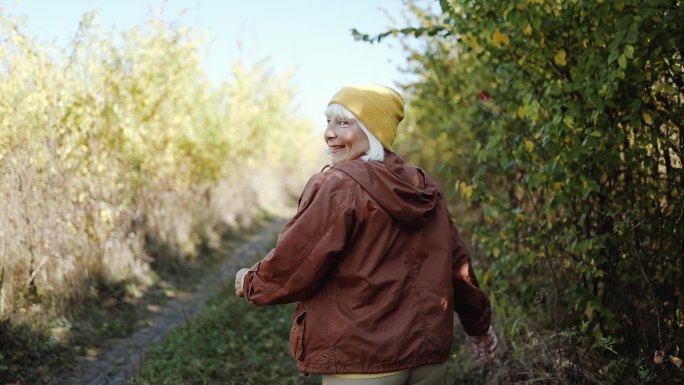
(329, 181)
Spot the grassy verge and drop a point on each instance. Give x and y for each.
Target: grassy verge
(230, 342)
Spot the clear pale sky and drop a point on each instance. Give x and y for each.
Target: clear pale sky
(312, 37)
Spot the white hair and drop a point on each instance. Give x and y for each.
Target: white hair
(375, 151)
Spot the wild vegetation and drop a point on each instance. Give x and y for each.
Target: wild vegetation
(556, 129)
(230, 342)
(118, 158)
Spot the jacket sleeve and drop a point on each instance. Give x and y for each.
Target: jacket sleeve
(470, 303)
(307, 246)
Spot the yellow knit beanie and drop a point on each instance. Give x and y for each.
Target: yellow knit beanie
(380, 109)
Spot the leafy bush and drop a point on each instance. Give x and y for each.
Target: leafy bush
(559, 123)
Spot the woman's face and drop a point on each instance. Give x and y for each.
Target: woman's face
(345, 139)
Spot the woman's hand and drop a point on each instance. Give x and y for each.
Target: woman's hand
(484, 346)
(239, 279)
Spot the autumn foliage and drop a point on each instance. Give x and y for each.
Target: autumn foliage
(118, 155)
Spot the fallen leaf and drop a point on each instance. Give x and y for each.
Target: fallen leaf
(676, 360)
(658, 357)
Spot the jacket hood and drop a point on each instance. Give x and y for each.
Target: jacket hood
(402, 190)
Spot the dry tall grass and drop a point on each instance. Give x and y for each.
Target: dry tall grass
(123, 140)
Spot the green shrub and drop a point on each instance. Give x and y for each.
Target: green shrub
(557, 126)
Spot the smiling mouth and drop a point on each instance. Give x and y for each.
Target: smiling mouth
(333, 148)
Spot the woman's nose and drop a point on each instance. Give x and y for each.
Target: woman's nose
(329, 133)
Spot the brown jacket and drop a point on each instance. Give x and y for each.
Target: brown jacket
(376, 265)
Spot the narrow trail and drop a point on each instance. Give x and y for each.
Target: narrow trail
(118, 365)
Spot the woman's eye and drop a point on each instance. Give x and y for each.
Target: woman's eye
(344, 122)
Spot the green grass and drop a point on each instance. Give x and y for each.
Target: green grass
(230, 342)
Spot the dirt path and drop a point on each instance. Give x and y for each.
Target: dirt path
(118, 365)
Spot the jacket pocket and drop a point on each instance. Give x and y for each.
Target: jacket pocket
(297, 333)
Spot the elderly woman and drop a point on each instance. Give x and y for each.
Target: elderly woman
(372, 259)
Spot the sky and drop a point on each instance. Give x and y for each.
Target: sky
(312, 37)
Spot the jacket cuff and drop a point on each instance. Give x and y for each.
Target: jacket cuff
(476, 326)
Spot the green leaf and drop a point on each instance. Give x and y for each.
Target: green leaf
(622, 61)
(446, 7)
(503, 284)
(629, 52)
(613, 55)
(590, 186)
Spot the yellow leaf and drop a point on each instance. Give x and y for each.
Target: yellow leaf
(647, 117)
(569, 121)
(487, 277)
(529, 145)
(521, 112)
(500, 38)
(560, 58)
(676, 360)
(528, 30)
(470, 39)
(467, 190)
(476, 45)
